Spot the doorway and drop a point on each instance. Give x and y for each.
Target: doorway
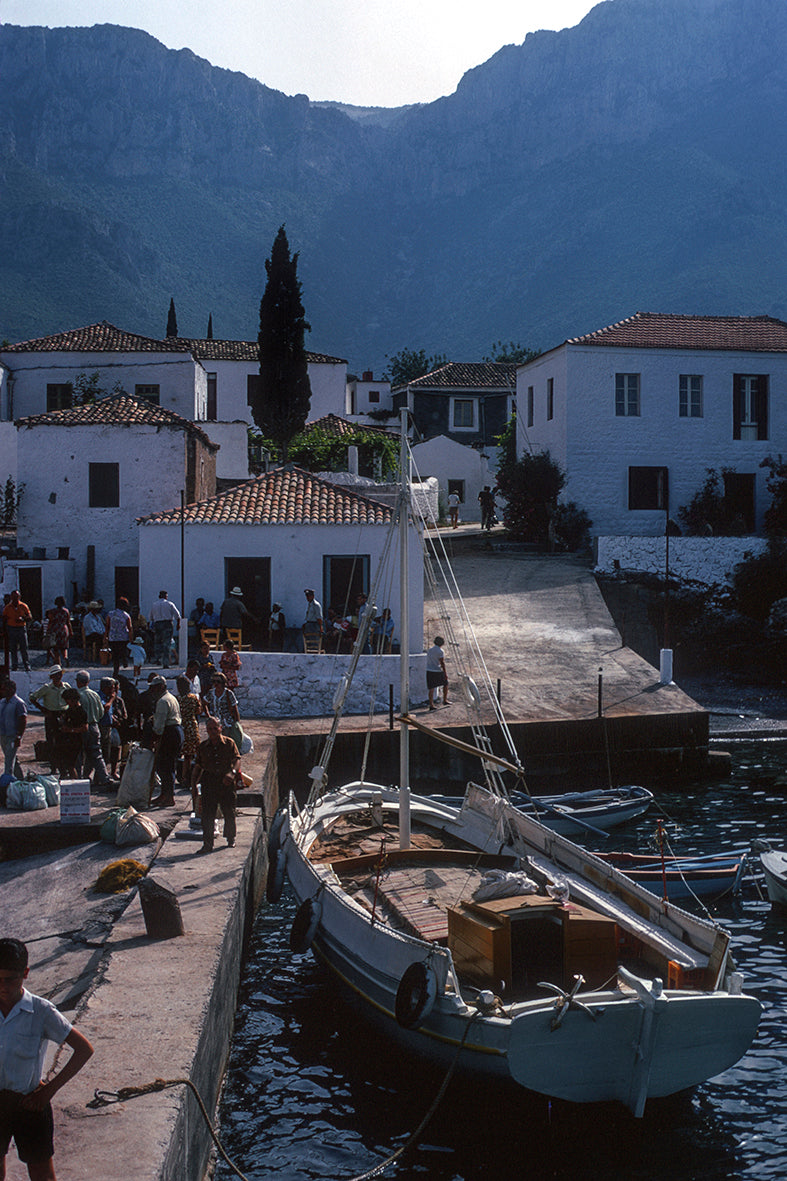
(253, 576)
(739, 499)
(30, 589)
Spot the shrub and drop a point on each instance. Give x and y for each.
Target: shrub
(571, 526)
(759, 581)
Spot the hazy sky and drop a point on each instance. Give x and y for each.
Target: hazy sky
(366, 52)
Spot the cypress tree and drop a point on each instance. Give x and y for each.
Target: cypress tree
(280, 402)
(172, 320)
(210, 327)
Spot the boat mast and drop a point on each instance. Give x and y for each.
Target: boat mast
(404, 644)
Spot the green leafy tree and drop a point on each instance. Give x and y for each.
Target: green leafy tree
(280, 403)
(408, 364)
(531, 486)
(709, 513)
(318, 450)
(87, 388)
(512, 352)
(12, 494)
(172, 320)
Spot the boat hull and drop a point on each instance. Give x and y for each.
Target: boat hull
(774, 866)
(622, 1044)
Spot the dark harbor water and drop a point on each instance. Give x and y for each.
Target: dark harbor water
(314, 1092)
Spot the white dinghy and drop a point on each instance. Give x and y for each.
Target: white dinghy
(475, 930)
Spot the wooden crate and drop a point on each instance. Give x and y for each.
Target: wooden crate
(590, 946)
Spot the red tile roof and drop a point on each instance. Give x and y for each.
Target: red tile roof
(106, 338)
(245, 350)
(286, 496)
(469, 375)
(651, 330)
(117, 410)
(332, 424)
(99, 338)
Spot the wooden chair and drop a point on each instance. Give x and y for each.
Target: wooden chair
(312, 641)
(210, 635)
(235, 634)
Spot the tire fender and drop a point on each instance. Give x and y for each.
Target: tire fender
(416, 995)
(277, 863)
(304, 925)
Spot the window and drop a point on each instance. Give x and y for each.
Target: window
(648, 488)
(464, 414)
(212, 408)
(750, 406)
(690, 398)
(343, 578)
(104, 485)
(627, 395)
(59, 396)
(374, 395)
(149, 392)
(457, 486)
(530, 405)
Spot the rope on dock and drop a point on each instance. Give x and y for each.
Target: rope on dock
(106, 1098)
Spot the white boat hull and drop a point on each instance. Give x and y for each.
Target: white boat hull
(774, 866)
(624, 1044)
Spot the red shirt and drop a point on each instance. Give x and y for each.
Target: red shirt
(16, 614)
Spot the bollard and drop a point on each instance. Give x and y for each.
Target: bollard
(161, 910)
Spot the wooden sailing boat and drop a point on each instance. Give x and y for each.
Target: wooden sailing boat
(474, 930)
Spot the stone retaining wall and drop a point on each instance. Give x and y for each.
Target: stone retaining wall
(710, 560)
(297, 685)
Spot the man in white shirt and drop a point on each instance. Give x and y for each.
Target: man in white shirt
(164, 620)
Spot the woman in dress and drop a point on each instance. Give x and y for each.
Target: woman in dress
(222, 703)
(119, 633)
(190, 710)
(229, 664)
(58, 632)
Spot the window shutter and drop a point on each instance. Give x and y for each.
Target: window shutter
(737, 404)
(761, 406)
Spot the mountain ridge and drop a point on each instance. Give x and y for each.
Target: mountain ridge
(635, 160)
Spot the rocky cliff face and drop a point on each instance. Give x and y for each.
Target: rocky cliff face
(636, 161)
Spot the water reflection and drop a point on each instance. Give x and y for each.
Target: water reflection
(314, 1092)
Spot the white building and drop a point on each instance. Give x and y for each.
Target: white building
(90, 471)
(273, 537)
(457, 468)
(636, 412)
(365, 397)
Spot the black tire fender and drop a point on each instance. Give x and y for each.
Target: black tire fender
(304, 925)
(277, 863)
(415, 995)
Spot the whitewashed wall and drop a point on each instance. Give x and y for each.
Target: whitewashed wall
(232, 460)
(709, 560)
(182, 380)
(596, 448)
(328, 383)
(54, 510)
(290, 685)
(445, 459)
(8, 457)
(358, 403)
(296, 553)
(57, 577)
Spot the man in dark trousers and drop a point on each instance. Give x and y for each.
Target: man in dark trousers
(216, 767)
(233, 612)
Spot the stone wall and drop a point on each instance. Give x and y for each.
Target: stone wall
(710, 560)
(292, 685)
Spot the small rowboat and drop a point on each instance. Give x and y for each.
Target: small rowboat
(575, 813)
(704, 876)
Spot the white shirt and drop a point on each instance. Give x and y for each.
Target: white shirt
(32, 1023)
(162, 610)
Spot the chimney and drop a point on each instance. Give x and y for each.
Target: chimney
(368, 375)
(352, 460)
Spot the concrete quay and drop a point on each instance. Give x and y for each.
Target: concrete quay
(164, 1009)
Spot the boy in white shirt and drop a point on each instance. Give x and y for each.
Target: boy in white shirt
(27, 1023)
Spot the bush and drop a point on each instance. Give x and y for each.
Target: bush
(530, 486)
(759, 581)
(708, 511)
(571, 527)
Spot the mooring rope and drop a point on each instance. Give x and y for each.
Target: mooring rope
(378, 1170)
(106, 1098)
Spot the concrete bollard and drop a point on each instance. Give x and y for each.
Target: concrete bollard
(161, 910)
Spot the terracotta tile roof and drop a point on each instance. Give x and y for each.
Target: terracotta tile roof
(469, 375)
(99, 338)
(286, 496)
(117, 410)
(651, 330)
(245, 350)
(332, 424)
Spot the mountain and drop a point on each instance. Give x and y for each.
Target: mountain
(635, 162)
